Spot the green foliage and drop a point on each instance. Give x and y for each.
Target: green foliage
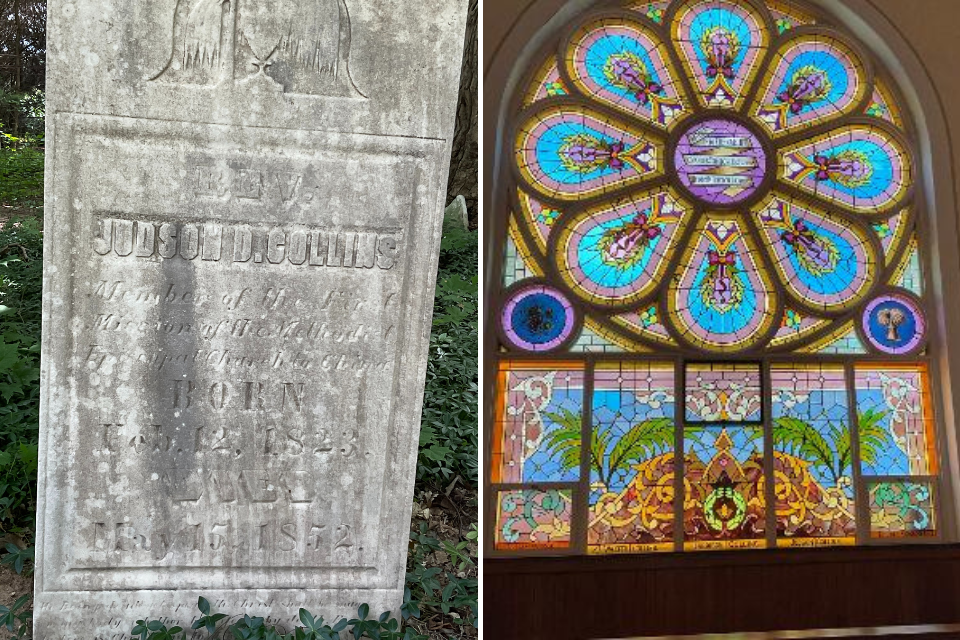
(156, 630)
(16, 619)
(21, 155)
(207, 621)
(314, 629)
(21, 118)
(873, 436)
(21, 277)
(438, 592)
(831, 451)
(564, 441)
(18, 557)
(643, 440)
(460, 553)
(449, 441)
(21, 176)
(255, 628)
(803, 440)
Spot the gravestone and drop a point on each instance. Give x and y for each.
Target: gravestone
(244, 205)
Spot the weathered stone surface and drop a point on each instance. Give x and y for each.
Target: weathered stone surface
(244, 206)
(457, 211)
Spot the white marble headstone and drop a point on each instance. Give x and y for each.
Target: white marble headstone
(244, 202)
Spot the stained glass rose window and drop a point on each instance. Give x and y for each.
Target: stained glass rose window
(712, 313)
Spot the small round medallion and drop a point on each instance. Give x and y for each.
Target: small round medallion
(894, 324)
(720, 161)
(538, 318)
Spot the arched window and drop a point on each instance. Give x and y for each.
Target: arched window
(712, 311)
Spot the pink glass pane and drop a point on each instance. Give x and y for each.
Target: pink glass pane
(723, 393)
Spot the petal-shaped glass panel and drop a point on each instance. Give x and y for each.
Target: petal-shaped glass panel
(540, 218)
(824, 261)
(617, 254)
(813, 78)
(646, 323)
(786, 16)
(721, 298)
(882, 104)
(571, 152)
(862, 167)
(796, 326)
(893, 232)
(721, 44)
(653, 9)
(622, 63)
(546, 83)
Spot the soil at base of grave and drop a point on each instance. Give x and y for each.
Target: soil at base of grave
(12, 587)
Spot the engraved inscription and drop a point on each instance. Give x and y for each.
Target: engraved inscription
(249, 184)
(240, 350)
(212, 537)
(211, 242)
(239, 402)
(294, 46)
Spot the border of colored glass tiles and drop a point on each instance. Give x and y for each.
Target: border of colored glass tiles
(526, 508)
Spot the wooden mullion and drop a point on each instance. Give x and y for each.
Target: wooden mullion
(860, 494)
(679, 423)
(770, 494)
(581, 496)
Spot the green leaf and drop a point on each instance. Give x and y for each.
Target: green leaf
(643, 440)
(564, 440)
(307, 619)
(874, 437)
(437, 452)
(805, 441)
(9, 354)
(448, 590)
(427, 436)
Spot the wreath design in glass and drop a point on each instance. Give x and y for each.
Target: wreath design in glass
(713, 181)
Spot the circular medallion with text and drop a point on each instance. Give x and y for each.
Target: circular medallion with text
(720, 161)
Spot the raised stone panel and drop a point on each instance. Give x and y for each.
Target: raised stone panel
(237, 307)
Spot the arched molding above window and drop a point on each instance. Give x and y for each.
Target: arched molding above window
(508, 72)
